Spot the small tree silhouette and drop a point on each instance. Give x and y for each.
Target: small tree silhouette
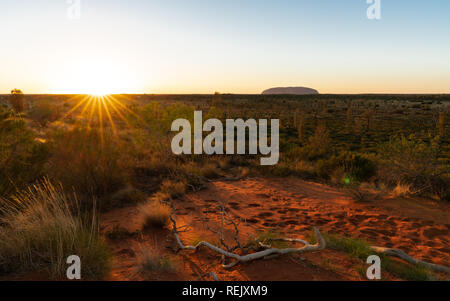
(217, 99)
(17, 100)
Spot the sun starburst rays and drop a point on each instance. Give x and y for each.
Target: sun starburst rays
(101, 112)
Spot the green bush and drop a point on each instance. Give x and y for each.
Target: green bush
(414, 161)
(44, 112)
(356, 167)
(91, 161)
(319, 145)
(22, 157)
(151, 260)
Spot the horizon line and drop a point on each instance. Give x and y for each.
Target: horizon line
(230, 93)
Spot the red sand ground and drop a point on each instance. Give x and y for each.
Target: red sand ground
(292, 207)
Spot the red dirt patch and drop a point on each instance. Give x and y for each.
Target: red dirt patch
(291, 207)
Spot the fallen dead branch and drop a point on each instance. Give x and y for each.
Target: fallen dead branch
(401, 254)
(270, 252)
(253, 256)
(214, 276)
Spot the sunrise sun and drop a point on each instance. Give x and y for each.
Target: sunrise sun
(97, 77)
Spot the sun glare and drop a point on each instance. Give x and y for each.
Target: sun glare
(99, 93)
(96, 77)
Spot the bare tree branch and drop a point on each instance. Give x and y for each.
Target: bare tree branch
(401, 254)
(253, 256)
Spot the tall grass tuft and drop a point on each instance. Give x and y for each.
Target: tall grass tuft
(151, 260)
(155, 214)
(41, 227)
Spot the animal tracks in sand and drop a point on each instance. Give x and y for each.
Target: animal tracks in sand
(292, 206)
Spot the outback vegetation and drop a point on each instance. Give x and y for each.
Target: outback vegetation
(67, 160)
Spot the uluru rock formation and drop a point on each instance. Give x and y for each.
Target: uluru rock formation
(291, 91)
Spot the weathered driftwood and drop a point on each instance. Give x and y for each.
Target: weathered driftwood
(214, 276)
(253, 256)
(401, 254)
(269, 252)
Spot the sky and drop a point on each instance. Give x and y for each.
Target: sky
(230, 46)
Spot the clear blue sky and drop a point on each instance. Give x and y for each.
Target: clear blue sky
(238, 46)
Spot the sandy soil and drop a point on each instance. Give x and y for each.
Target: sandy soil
(292, 207)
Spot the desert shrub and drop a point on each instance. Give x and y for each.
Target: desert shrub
(40, 229)
(118, 233)
(160, 118)
(151, 161)
(282, 169)
(17, 100)
(125, 196)
(22, 157)
(179, 110)
(355, 167)
(214, 112)
(174, 188)
(401, 190)
(209, 170)
(357, 193)
(153, 113)
(319, 145)
(161, 197)
(154, 214)
(223, 162)
(151, 260)
(44, 112)
(293, 152)
(441, 187)
(91, 161)
(411, 160)
(4, 113)
(446, 195)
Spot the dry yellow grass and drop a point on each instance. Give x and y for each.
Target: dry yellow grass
(154, 214)
(174, 188)
(152, 260)
(402, 190)
(40, 229)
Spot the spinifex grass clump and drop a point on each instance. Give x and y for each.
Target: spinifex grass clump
(151, 260)
(155, 214)
(41, 227)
